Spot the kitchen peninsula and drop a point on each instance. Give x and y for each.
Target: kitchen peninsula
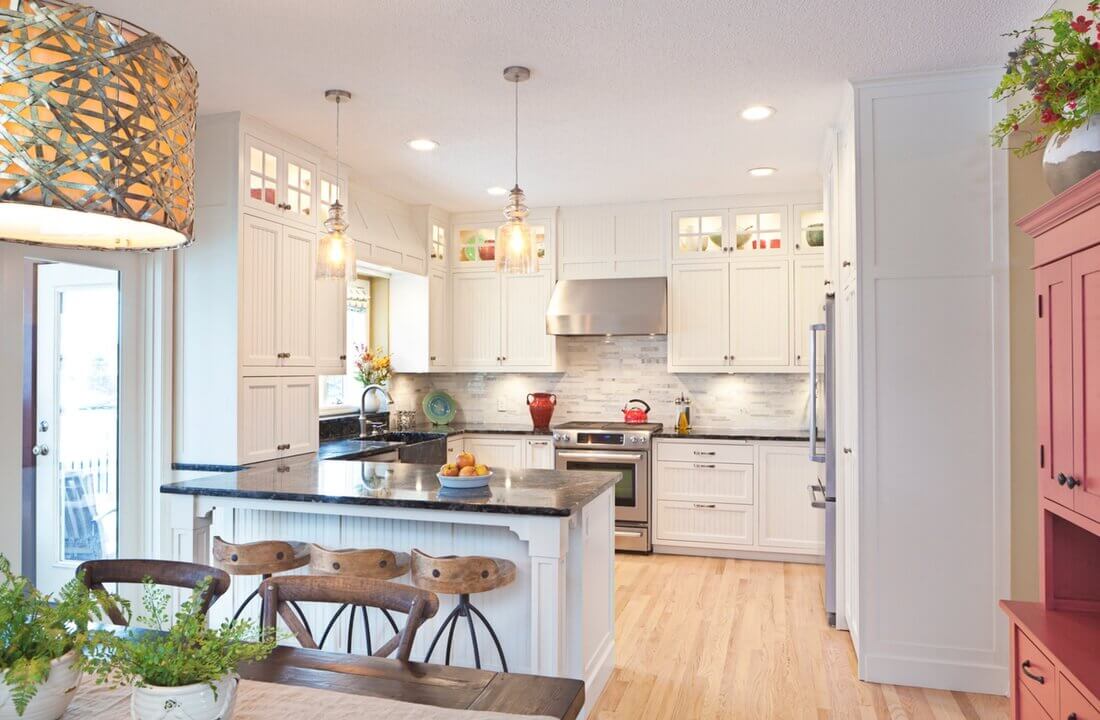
(557, 618)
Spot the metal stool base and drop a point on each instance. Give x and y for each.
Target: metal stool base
(351, 626)
(465, 609)
(263, 606)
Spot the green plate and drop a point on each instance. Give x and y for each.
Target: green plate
(439, 407)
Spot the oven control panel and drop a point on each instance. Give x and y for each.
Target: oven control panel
(601, 439)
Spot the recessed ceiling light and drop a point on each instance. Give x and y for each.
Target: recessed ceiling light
(757, 112)
(422, 144)
(497, 190)
(762, 171)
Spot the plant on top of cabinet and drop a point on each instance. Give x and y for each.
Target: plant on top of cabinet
(1057, 65)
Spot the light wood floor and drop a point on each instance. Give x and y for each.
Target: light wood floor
(734, 639)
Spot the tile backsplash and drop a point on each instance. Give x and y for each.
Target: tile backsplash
(601, 375)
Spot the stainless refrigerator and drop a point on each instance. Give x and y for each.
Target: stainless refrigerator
(823, 494)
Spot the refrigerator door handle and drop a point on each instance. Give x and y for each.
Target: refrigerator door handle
(814, 502)
(814, 329)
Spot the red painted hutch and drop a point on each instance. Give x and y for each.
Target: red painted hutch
(1056, 642)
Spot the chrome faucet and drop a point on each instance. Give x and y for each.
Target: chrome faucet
(363, 423)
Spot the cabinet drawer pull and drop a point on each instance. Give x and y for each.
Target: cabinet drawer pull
(702, 466)
(1024, 669)
(703, 506)
(702, 452)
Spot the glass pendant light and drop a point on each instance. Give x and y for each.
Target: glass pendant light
(515, 244)
(332, 248)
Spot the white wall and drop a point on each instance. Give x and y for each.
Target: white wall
(934, 437)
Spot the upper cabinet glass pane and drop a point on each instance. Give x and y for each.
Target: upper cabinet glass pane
(263, 176)
(759, 231)
(701, 233)
(271, 165)
(256, 160)
(476, 245)
(811, 229)
(438, 242)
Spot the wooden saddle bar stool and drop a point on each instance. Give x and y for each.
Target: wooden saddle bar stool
(462, 576)
(97, 573)
(370, 563)
(281, 593)
(264, 558)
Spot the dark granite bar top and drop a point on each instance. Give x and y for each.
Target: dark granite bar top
(556, 493)
(714, 433)
(353, 448)
(456, 428)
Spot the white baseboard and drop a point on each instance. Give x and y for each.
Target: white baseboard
(919, 672)
(769, 556)
(598, 676)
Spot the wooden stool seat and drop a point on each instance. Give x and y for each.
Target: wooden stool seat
(462, 576)
(373, 563)
(265, 557)
(453, 575)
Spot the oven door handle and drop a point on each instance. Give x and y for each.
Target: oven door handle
(585, 455)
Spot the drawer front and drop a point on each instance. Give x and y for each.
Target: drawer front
(710, 523)
(1035, 673)
(1072, 704)
(1030, 709)
(703, 452)
(705, 482)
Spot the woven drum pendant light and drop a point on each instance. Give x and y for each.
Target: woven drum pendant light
(97, 131)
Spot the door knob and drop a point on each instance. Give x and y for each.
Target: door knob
(42, 450)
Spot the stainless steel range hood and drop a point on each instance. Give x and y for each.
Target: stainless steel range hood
(620, 306)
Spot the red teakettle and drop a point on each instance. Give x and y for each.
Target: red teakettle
(635, 415)
(541, 406)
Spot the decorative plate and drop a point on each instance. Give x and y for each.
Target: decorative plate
(439, 407)
(459, 482)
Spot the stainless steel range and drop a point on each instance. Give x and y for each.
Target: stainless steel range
(620, 447)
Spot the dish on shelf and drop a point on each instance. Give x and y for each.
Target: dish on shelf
(439, 407)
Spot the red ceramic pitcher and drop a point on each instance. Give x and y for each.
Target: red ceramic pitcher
(541, 406)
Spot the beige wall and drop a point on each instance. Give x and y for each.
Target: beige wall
(1026, 191)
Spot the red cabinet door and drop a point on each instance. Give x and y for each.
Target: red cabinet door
(1054, 379)
(1086, 382)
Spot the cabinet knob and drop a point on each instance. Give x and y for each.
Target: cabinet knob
(1062, 478)
(726, 358)
(846, 263)
(343, 357)
(432, 358)
(847, 451)
(1072, 482)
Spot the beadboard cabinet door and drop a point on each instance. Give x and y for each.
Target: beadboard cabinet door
(439, 338)
(524, 299)
(475, 320)
(809, 306)
(699, 321)
(496, 451)
(298, 421)
(759, 325)
(331, 326)
(295, 297)
(785, 518)
(259, 310)
(1086, 378)
(1054, 379)
(539, 454)
(258, 424)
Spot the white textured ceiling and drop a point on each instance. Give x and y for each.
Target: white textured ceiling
(628, 100)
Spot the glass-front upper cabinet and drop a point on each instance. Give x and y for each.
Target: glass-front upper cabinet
(699, 234)
(278, 183)
(760, 231)
(810, 221)
(475, 245)
(437, 243)
(263, 161)
(300, 176)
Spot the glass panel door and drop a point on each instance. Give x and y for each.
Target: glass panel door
(810, 221)
(699, 234)
(77, 418)
(760, 231)
(263, 176)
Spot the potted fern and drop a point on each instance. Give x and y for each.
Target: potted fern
(185, 668)
(42, 643)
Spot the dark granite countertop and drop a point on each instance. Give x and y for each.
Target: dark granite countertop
(305, 479)
(353, 448)
(456, 428)
(715, 433)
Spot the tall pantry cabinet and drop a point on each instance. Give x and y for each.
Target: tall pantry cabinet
(247, 350)
(1056, 642)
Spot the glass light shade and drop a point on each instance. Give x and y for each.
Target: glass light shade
(515, 243)
(333, 249)
(98, 129)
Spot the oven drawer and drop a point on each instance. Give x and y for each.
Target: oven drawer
(1035, 673)
(704, 452)
(709, 523)
(631, 539)
(705, 482)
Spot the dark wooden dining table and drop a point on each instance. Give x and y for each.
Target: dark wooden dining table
(423, 683)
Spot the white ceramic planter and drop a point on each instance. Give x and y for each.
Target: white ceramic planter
(53, 696)
(190, 702)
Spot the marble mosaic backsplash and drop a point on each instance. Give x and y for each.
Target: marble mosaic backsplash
(601, 375)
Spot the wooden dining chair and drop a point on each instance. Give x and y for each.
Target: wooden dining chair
(97, 573)
(281, 591)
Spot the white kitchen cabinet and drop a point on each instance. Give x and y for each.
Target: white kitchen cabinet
(524, 342)
(278, 417)
(439, 327)
(609, 241)
(704, 523)
(279, 183)
(331, 326)
(759, 314)
(702, 481)
(475, 321)
(539, 454)
(496, 451)
(810, 228)
(455, 445)
(699, 320)
(277, 295)
(809, 306)
(785, 517)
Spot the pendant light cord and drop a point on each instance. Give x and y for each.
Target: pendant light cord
(516, 184)
(338, 101)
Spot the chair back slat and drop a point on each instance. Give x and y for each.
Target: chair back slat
(98, 573)
(279, 591)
